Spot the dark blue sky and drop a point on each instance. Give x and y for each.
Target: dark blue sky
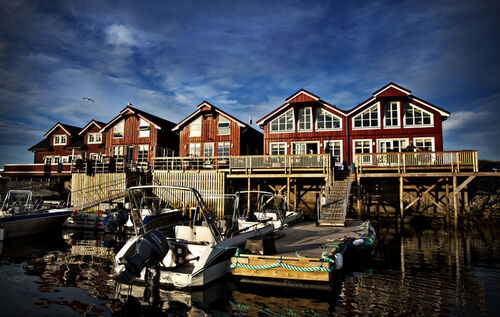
(246, 57)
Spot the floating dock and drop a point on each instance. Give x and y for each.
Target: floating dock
(306, 255)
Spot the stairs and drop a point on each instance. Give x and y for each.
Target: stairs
(95, 203)
(334, 211)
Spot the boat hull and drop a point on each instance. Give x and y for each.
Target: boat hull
(24, 225)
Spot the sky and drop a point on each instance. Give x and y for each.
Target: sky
(245, 57)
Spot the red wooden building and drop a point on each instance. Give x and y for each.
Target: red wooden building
(391, 118)
(58, 146)
(210, 131)
(305, 124)
(139, 136)
(91, 142)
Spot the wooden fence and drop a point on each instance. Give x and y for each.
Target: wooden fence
(449, 160)
(87, 189)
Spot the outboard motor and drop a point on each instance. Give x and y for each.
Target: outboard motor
(150, 247)
(115, 221)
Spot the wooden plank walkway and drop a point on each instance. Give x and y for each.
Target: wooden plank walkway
(335, 209)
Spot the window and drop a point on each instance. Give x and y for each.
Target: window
(362, 146)
(208, 149)
(305, 119)
(391, 114)
(95, 157)
(194, 149)
(392, 145)
(283, 123)
(94, 138)
(417, 116)
(223, 126)
(143, 128)
(299, 148)
(278, 148)
(56, 160)
(195, 128)
(326, 120)
(117, 151)
(223, 149)
(118, 129)
(60, 139)
(66, 159)
(335, 148)
(142, 153)
(424, 144)
(367, 119)
(47, 160)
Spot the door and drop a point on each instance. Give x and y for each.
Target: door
(129, 154)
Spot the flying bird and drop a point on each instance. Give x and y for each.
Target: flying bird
(88, 99)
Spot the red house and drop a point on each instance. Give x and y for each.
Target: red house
(91, 142)
(139, 136)
(58, 146)
(305, 124)
(391, 118)
(210, 131)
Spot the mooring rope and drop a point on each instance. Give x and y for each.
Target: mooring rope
(283, 265)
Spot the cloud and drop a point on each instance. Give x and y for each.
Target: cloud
(121, 35)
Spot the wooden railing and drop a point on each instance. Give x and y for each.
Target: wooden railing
(402, 161)
(246, 164)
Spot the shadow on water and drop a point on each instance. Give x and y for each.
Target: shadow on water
(418, 269)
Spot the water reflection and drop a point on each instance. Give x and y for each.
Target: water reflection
(415, 271)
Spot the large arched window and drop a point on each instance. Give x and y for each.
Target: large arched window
(325, 120)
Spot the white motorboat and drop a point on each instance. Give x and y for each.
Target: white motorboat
(198, 253)
(20, 216)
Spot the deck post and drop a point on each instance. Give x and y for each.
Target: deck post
(401, 202)
(447, 199)
(358, 199)
(466, 200)
(287, 191)
(295, 195)
(455, 205)
(248, 195)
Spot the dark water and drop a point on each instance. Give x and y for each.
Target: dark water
(415, 271)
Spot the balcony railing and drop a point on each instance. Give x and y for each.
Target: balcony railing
(450, 160)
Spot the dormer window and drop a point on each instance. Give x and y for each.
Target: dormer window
(144, 128)
(305, 119)
(94, 138)
(415, 116)
(326, 120)
(118, 129)
(195, 128)
(283, 123)
(60, 139)
(367, 119)
(223, 126)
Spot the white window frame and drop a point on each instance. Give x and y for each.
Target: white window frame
(285, 114)
(367, 159)
(207, 145)
(303, 142)
(94, 156)
(56, 159)
(418, 125)
(332, 148)
(65, 159)
(47, 160)
(398, 113)
(402, 148)
(228, 146)
(194, 149)
(305, 122)
(59, 138)
(141, 149)
(222, 130)
(113, 151)
(316, 120)
(94, 138)
(144, 128)
(377, 105)
(278, 144)
(433, 139)
(119, 129)
(195, 132)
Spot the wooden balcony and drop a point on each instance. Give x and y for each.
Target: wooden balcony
(404, 162)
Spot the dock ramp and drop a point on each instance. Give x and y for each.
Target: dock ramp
(335, 208)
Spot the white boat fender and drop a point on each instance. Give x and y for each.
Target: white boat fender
(373, 234)
(339, 261)
(358, 242)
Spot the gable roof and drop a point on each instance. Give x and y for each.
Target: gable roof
(300, 96)
(206, 104)
(392, 89)
(43, 145)
(98, 124)
(157, 122)
(69, 129)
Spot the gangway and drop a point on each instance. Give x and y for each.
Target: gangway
(337, 199)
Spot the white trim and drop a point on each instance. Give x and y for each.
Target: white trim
(261, 121)
(54, 159)
(192, 124)
(94, 142)
(229, 127)
(341, 150)
(57, 125)
(60, 137)
(213, 148)
(284, 131)
(407, 140)
(311, 121)
(426, 137)
(88, 125)
(332, 108)
(300, 92)
(379, 113)
(270, 147)
(326, 129)
(354, 150)
(418, 125)
(220, 112)
(304, 142)
(398, 108)
(395, 87)
(361, 105)
(121, 115)
(443, 113)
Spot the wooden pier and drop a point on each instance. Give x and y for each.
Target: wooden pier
(305, 254)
